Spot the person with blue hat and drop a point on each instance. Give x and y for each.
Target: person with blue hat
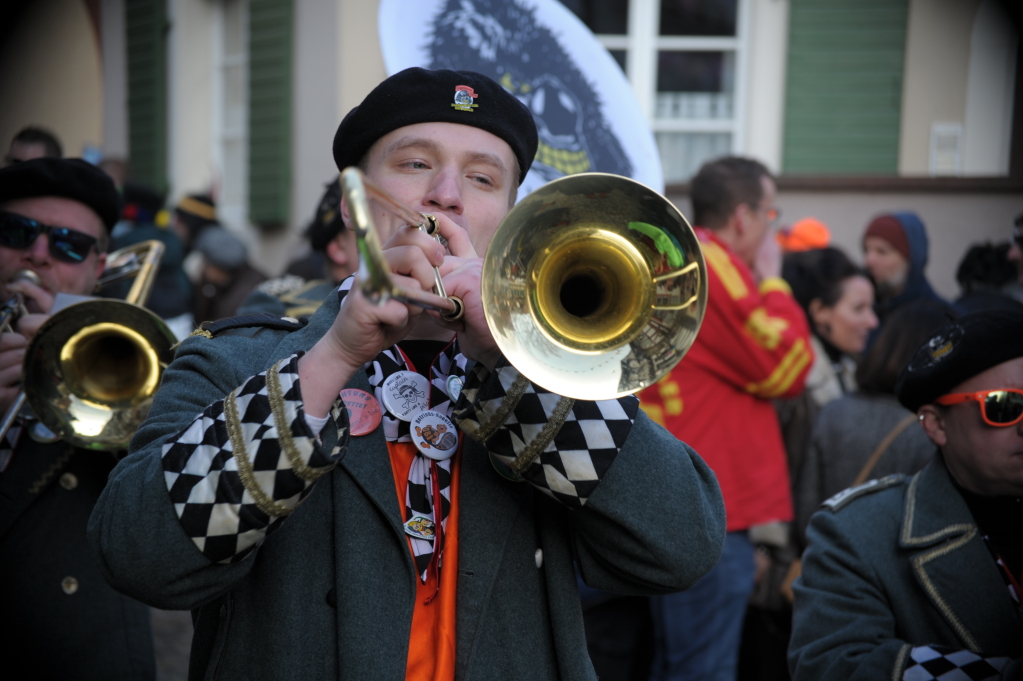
(919, 577)
(376, 493)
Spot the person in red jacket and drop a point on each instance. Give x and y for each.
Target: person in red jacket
(754, 346)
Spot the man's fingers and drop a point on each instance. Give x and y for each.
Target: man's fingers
(411, 263)
(29, 324)
(432, 250)
(10, 376)
(10, 341)
(37, 299)
(459, 243)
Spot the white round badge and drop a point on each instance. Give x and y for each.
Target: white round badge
(434, 435)
(406, 393)
(454, 386)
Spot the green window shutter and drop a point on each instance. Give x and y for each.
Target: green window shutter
(270, 24)
(844, 92)
(146, 28)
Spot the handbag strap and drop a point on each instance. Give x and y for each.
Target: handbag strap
(881, 448)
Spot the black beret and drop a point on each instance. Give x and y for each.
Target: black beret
(71, 178)
(327, 223)
(958, 351)
(418, 95)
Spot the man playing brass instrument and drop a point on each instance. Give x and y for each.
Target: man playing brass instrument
(311, 540)
(63, 620)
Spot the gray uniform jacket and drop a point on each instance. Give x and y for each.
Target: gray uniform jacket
(330, 594)
(895, 564)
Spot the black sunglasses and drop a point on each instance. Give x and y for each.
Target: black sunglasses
(66, 245)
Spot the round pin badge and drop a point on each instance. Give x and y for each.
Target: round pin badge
(406, 393)
(454, 386)
(364, 411)
(434, 435)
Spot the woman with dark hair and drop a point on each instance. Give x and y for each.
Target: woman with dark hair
(838, 299)
(845, 443)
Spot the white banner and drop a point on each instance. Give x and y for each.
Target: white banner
(586, 114)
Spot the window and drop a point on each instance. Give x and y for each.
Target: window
(232, 112)
(684, 59)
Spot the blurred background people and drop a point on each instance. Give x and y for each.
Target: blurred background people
(895, 250)
(753, 347)
(310, 279)
(226, 278)
(988, 279)
(803, 235)
(33, 142)
(1015, 255)
(849, 430)
(144, 219)
(838, 299)
(193, 214)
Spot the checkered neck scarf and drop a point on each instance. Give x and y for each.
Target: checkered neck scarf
(428, 480)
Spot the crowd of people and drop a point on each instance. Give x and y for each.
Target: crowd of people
(828, 486)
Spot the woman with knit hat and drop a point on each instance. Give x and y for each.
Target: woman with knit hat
(895, 254)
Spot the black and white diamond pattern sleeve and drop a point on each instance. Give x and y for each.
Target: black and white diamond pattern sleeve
(560, 445)
(950, 664)
(246, 462)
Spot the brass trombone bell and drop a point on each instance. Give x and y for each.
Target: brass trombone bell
(93, 368)
(594, 286)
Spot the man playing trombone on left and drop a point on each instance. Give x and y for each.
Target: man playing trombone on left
(61, 618)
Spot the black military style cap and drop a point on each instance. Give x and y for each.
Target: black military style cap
(958, 351)
(71, 178)
(418, 95)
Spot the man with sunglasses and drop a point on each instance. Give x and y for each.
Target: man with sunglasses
(64, 620)
(919, 577)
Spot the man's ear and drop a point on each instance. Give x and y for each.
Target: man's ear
(933, 423)
(741, 215)
(344, 212)
(101, 264)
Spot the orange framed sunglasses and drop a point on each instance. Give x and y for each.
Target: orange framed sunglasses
(1000, 408)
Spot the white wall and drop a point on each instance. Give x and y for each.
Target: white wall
(990, 85)
(51, 75)
(767, 64)
(190, 95)
(314, 119)
(115, 80)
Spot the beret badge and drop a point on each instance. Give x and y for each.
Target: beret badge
(938, 348)
(463, 98)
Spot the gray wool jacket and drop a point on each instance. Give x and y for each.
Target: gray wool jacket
(894, 564)
(330, 594)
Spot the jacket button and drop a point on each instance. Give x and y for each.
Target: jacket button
(538, 556)
(69, 585)
(69, 481)
(332, 598)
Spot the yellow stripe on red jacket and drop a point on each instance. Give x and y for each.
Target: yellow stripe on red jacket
(754, 345)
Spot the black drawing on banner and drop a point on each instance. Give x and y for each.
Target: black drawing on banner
(501, 39)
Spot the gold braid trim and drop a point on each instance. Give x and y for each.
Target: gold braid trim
(900, 662)
(234, 430)
(197, 208)
(201, 332)
(511, 400)
(276, 395)
(550, 429)
(48, 474)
